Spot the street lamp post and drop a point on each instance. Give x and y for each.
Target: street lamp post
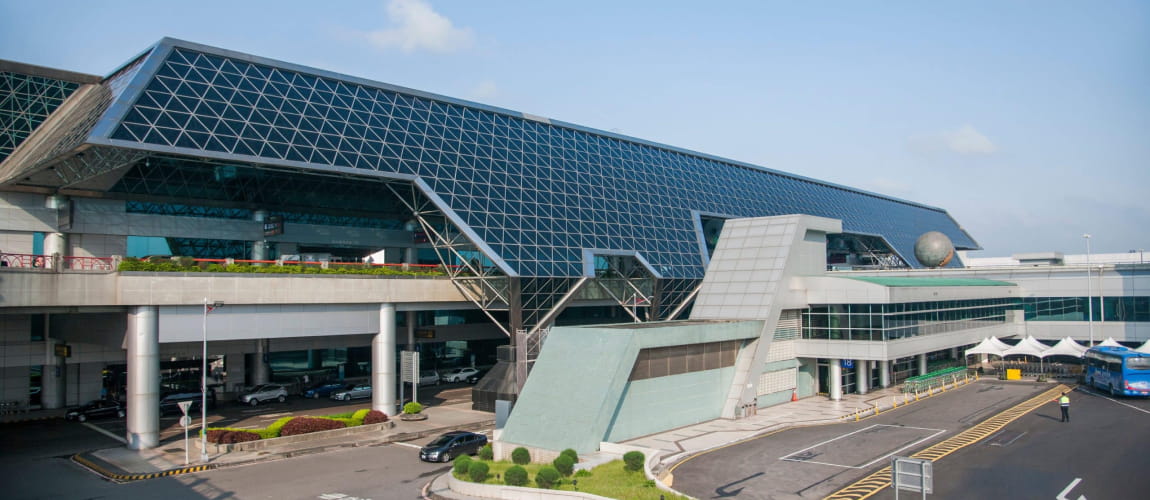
(1089, 292)
(204, 383)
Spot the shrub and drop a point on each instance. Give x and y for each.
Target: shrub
(273, 431)
(374, 417)
(521, 456)
(546, 477)
(571, 453)
(412, 408)
(477, 470)
(633, 460)
(359, 415)
(486, 453)
(564, 465)
(239, 437)
(461, 464)
(305, 425)
(582, 473)
(515, 476)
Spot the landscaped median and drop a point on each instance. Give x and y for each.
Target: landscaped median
(521, 479)
(295, 429)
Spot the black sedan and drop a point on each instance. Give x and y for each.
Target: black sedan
(451, 445)
(98, 408)
(323, 390)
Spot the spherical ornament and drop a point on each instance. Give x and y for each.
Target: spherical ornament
(933, 249)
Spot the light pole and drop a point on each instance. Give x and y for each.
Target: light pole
(204, 383)
(1089, 292)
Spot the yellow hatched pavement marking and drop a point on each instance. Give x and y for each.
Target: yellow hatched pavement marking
(868, 486)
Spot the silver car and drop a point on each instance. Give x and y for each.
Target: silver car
(264, 393)
(355, 392)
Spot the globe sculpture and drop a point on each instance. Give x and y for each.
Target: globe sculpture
(933, 249)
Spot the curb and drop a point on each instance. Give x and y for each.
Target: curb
(91, 464)
(31, 419)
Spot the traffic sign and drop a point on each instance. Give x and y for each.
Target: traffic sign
(184, 405)
(185, 421)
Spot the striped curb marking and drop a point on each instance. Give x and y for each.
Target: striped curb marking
(138, 477)
(868, 486)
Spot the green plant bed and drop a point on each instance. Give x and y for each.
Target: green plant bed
(608, 480)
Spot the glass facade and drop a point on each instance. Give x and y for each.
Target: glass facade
(25, 102)
(879, 322)
(534, 192)
(1131, 308)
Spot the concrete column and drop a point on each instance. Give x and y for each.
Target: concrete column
(922, 364)
(410, 254)
(383, 362)
(835, 384)
(143, 377)
(237, 371)
(55, 244)
(884, 373)
(954, 353)
(411, 330)
(862, 375)
(260, 247)
(261, 371)
(53, 374)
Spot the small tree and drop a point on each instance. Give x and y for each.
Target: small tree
(547, 477)
(571, 453)
(486, 453)
(478, 471)
(515, 476)
(564, 465)
(461, 464)
(521, 456)
(633, 460)
(412, 408)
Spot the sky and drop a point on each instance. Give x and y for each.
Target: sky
(1029, 122)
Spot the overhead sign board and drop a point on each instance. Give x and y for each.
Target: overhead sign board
(913, 474)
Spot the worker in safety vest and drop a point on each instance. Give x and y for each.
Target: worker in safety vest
(1064, 403)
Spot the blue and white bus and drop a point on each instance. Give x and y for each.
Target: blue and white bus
(1118, 370)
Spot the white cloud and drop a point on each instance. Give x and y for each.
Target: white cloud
(416, 26)
(486, 90)
(966, 141)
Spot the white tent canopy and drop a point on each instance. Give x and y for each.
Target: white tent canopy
(1002, 346)
(1144, 347)
(1066, 347)
(1110, 342)
(1028, 346)
(987, 346)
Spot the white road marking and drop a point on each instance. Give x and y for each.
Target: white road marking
(409, 445)
(1062, 495)
(1099, 394)
(105, 432)
(872, 462)
(339, 496)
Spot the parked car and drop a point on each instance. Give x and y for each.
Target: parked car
(263, 393)
(451, 445)
(428, 377)
(323, 390)
(474, 378)
(170, 403)
(354, 392)
(98, 408)
(458, 374)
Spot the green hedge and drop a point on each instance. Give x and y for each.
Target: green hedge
(348, 419)
(187, 265)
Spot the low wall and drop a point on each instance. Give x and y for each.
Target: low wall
(511, 492)
(299, 438)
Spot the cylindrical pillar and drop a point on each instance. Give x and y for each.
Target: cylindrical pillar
(835, 384)
(143, 377)
(411, 330)
(55, 245)
(862, 375)
(261, 371)
(884, 373)
(922, 364)
(383, 362)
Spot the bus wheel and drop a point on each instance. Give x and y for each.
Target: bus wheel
(1113, 393)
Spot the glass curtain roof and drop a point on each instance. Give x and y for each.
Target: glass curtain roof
(537, 193)
(25, 102)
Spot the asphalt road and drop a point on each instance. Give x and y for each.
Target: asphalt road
(1100, 454)
(35, 461)
(813, 462)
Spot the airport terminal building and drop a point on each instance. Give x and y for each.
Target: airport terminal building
(509, 235)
